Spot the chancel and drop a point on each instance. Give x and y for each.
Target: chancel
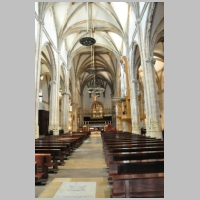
(99, 99)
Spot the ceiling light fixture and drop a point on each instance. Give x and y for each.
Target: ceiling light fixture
(87, 41)
(94, 89)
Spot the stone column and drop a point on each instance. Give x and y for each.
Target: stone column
(153, 117)
(74, 117)
(57, 112)
(118, 119)
(53, 125)
(135, 113)
(37, 74)
(152, 121)
(65, 111)
(144, 68)
(81, 111)
(113, 112)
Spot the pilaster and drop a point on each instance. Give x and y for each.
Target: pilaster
(65, 111)
(135, 115)
(37, 74)
(53, 124)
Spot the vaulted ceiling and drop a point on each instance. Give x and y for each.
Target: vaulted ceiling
(107, 23)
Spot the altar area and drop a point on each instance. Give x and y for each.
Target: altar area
(95, 133)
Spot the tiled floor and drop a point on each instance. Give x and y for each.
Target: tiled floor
(85, 164)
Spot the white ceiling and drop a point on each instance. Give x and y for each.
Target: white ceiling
(109, 23)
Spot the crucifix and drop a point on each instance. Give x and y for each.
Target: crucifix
(95, 97)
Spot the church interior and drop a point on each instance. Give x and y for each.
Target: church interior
(99, 99)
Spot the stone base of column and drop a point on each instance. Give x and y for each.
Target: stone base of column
(55, 132)
(154, 134)
(66, 129)
(74, 129)
(136, 131)
(36, 131)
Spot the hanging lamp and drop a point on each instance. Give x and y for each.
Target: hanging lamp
(94, 89)
(87, 41)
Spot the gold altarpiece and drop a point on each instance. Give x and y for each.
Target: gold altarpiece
(97, 110)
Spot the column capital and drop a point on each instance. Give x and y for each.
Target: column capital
(150, 59)
(65, 93)
(52, 82)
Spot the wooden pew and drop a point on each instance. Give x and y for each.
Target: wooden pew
(143, 155)
(55, 155)
(136, 166)
(150, 185)
(43, 163)
(38, 175)
(62, 157)
(107, 148)
(128, 138)
(66, 150)
(132, 142)
(134, 149)
(76, 139)
(70, 144)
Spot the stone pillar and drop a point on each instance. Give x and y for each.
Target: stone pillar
(81, 112)
(113, 112)
(118, 116)
(135, 113)
(153, 117)
(53, 125)
(144, 68)
(153, 126)
(57, 112)
(37, 74)
(65, 111)
(74, 117)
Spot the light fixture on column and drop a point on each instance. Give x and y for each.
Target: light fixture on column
(87, 41)
(95, 89)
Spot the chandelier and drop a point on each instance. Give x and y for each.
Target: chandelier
(87, 41)
(95, 89)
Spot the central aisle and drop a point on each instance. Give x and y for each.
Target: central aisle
(85, 164)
